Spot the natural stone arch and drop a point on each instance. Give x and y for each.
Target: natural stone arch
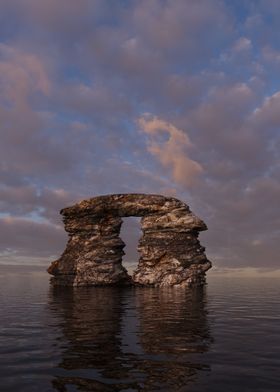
(170, 253)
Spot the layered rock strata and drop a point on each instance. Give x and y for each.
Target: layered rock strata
(170, 252)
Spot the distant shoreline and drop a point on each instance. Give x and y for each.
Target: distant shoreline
(246, 272)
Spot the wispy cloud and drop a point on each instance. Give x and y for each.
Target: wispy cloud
(170, 146)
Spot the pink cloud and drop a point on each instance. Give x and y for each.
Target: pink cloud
(163, 25)
(268, 113)
(171, 151)
(271, 55)
(21, 74)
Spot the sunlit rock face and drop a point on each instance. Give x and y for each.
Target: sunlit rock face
(170, 253)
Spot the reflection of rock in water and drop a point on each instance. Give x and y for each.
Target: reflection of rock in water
(173, 328)
(172, 320)
(92, 323)
(106, 346)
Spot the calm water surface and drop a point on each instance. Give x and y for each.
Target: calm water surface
(223, 338)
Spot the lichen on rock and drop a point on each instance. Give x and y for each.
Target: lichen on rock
(170, 252)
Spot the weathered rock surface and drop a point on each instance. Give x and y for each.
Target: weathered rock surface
(170, 253)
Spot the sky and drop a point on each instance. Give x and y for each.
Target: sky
(173, 97)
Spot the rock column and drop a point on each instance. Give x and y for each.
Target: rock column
(93, 253)
(170, 250)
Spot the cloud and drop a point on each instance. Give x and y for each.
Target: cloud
(21, 74)
(271, 55)
(27, 200)
(242, 44)
(18, 235)
(170, 145)
(165, 24)
(267, 115)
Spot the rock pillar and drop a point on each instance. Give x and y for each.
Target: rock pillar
(170, 251)
(93, 254)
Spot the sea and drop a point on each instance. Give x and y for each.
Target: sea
(224, 337)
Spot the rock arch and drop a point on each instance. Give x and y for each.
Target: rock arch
(170, 252)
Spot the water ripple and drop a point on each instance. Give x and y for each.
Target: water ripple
(225, 337)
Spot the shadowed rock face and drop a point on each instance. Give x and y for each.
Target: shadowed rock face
(170, 253)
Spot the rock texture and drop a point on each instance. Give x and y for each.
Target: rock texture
(170, 253)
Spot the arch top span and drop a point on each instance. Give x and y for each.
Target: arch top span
(125, 204)
(170, 253)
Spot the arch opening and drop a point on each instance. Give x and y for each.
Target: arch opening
(130, 234)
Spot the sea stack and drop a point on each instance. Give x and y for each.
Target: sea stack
(170, 252)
